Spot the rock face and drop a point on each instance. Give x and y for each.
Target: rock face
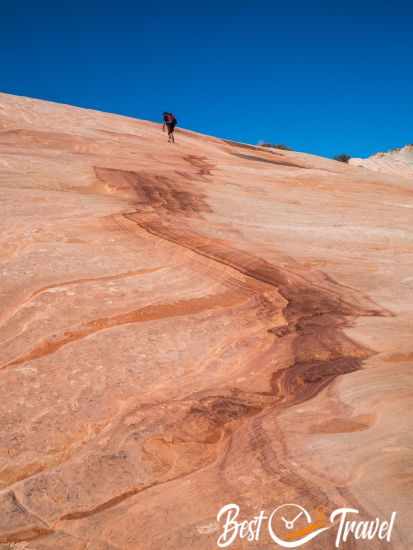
(398, 162)
(190, 325)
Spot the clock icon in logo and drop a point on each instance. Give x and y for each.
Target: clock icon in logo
(291, 526)
(290, 514)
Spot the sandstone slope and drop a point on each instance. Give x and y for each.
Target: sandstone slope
(397, 162)
(188, 325)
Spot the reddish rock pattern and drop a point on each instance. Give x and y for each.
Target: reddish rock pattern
(188, 325)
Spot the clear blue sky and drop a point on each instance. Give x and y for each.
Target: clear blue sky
(320, 82)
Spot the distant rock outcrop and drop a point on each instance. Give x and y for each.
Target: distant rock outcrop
(396, 162)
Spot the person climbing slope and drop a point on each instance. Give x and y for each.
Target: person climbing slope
(169, 120)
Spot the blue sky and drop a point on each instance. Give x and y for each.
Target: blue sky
(314, 79)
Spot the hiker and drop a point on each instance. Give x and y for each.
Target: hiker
(169, 120)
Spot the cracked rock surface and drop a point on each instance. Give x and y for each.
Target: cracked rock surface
(184, 326)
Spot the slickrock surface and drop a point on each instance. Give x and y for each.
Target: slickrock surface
(188, 325)
(398, 162)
